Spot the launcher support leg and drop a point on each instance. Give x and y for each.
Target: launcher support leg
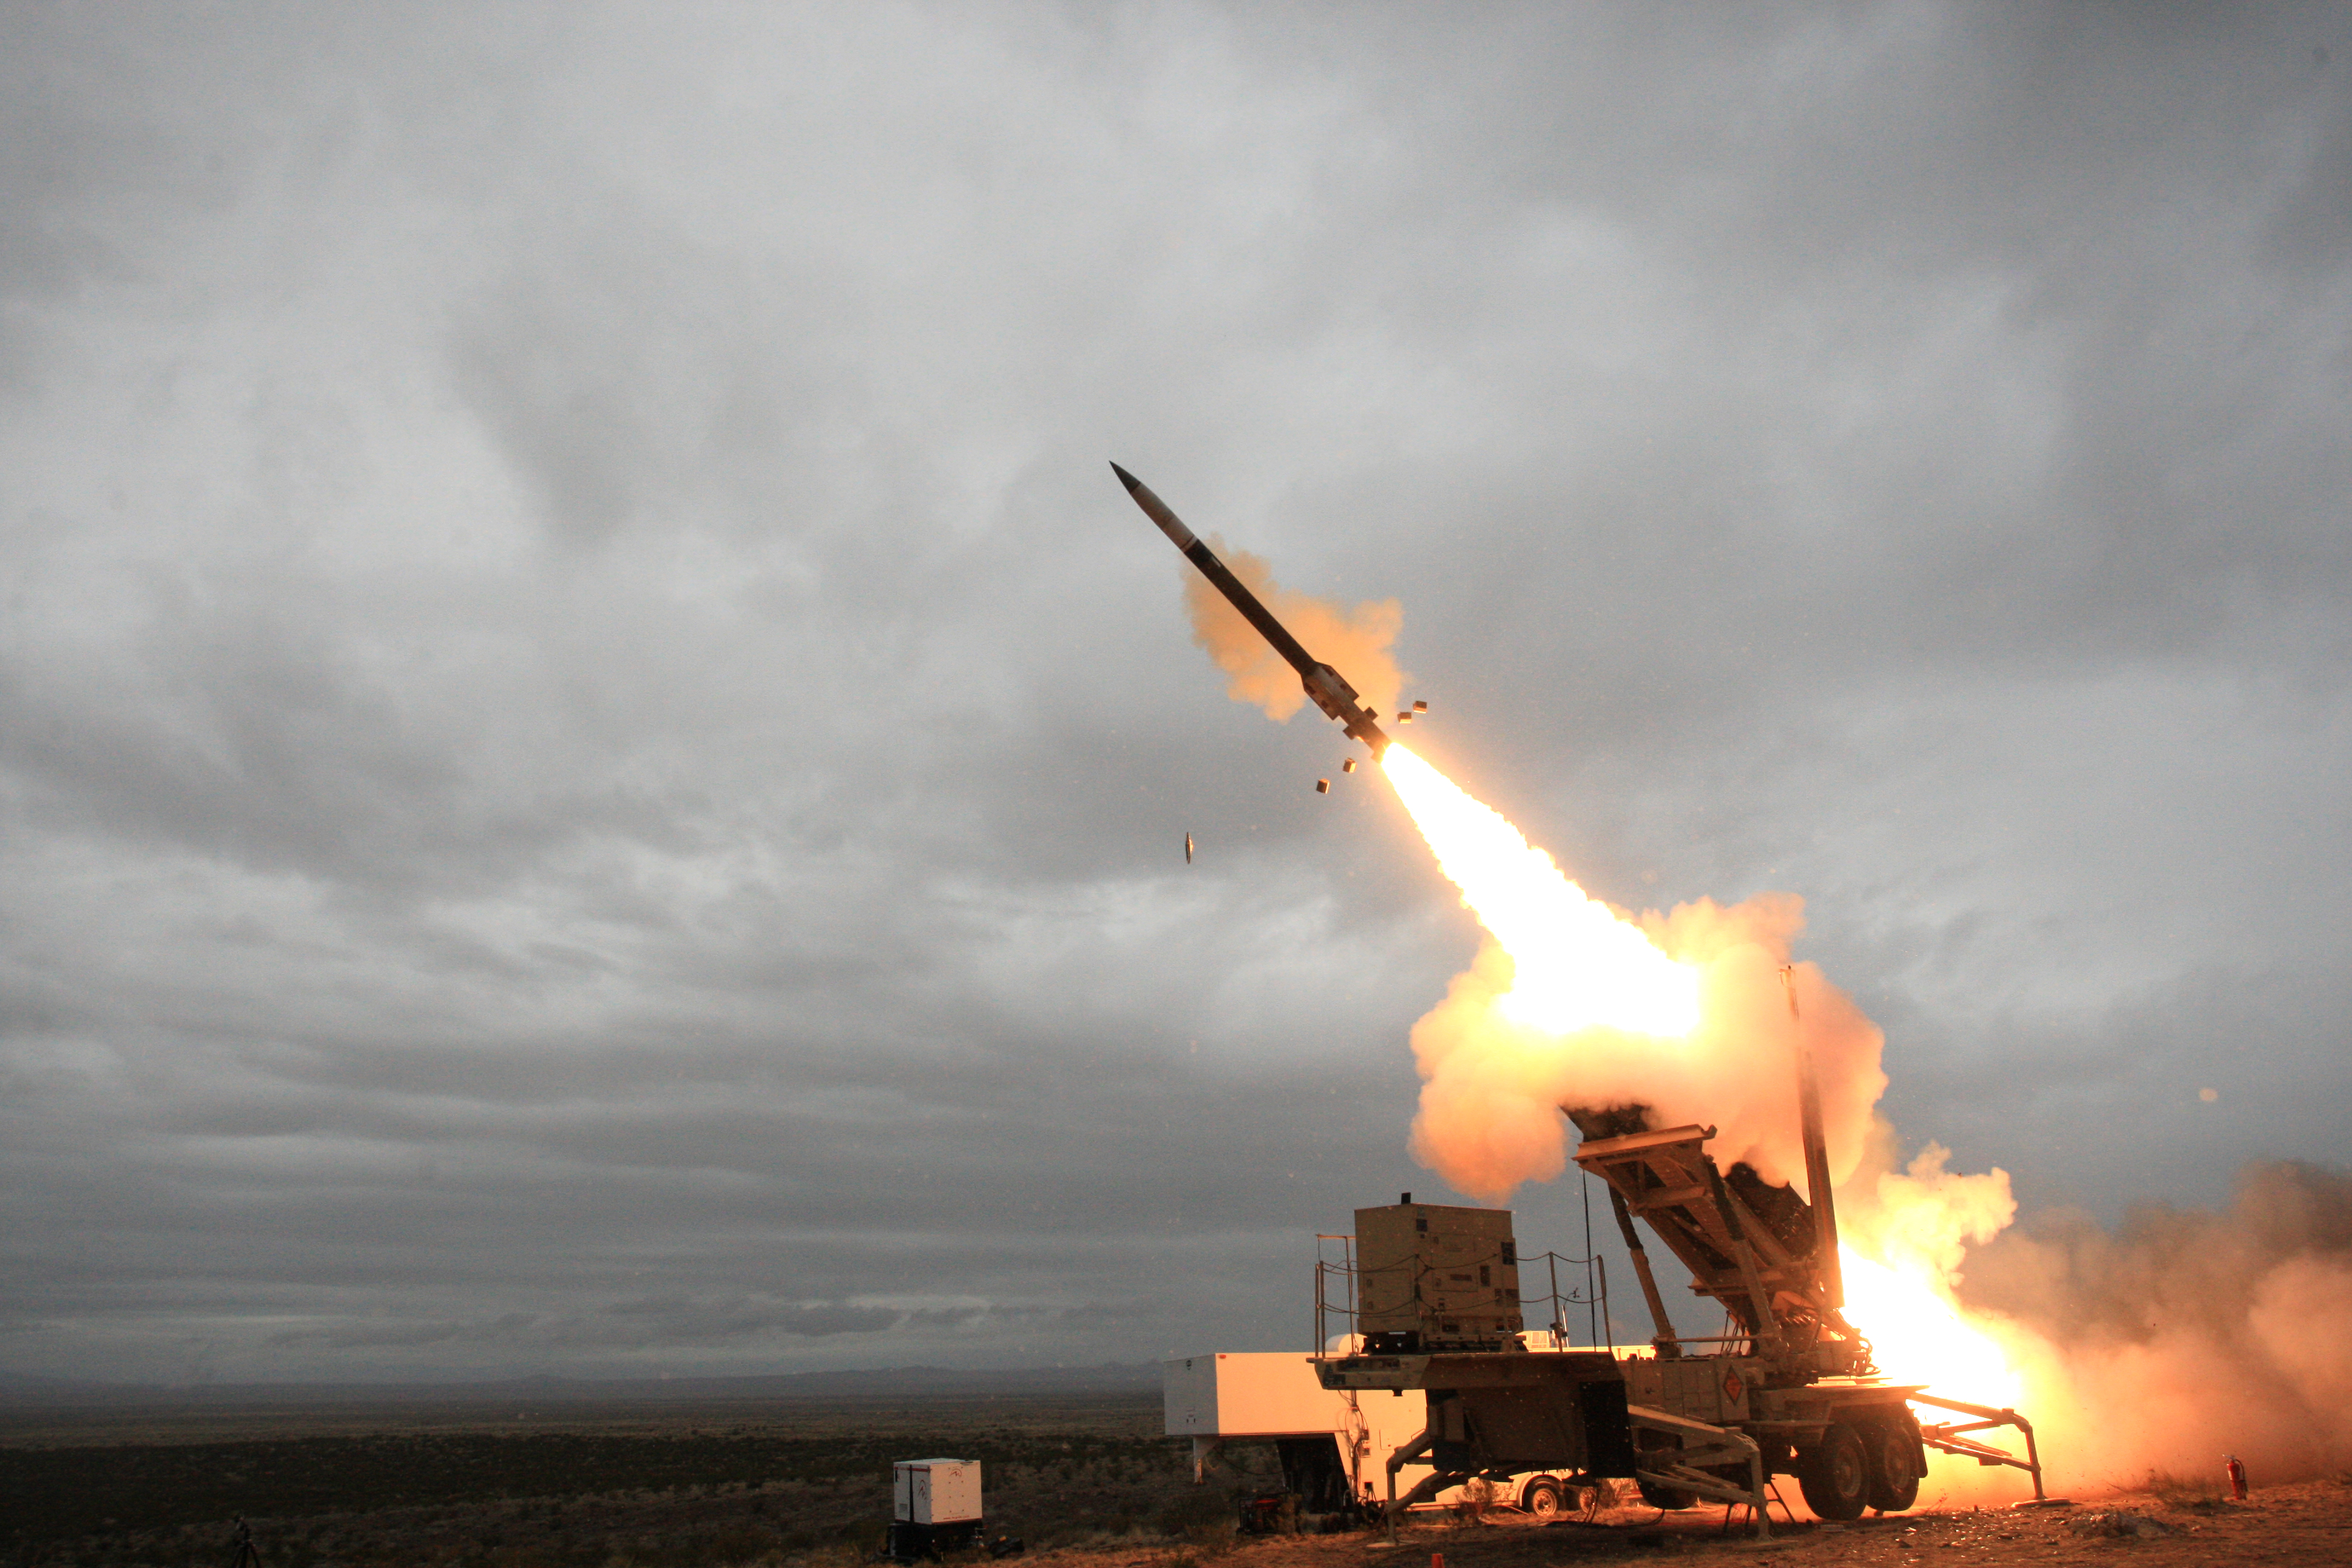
(1397, 1461)
(1694, 1465)
(1952, 1437)
(1666, 1336)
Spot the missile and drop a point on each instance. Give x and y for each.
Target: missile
(1328, 690)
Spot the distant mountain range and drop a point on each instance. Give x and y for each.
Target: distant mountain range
(20, 1391)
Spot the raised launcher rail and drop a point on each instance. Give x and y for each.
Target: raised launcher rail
(1760, 1249)
(1951, 1437)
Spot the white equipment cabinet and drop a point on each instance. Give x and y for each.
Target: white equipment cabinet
(934, 1508)
(935, 1491)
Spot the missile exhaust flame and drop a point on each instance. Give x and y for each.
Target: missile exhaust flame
(1575, 964)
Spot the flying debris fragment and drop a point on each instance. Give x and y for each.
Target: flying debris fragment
(1349, 766)
(1322, 787)
(1324, 684)
(1188, 849)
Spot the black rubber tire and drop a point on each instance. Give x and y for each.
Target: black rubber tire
(1545, 1499)
(1835, 1475)
(1894, 1464)
(1671, 1499)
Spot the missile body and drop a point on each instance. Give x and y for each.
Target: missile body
(1324, 684)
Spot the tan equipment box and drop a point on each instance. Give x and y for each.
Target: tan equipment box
(1431, 1277)
(1713, 1389)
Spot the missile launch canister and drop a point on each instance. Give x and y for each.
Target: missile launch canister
(1324, 684)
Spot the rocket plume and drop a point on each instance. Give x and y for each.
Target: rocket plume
(1571, 1003)
(1582, 967)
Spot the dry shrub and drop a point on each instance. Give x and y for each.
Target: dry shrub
(1200, 1515)
(840, 1554)
(1211, 1537)
(2200, 1493)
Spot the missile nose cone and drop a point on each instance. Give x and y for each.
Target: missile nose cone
(1157, 511)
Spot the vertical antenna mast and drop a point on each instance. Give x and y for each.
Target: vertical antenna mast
(1817, 1156)
(1591, 1297)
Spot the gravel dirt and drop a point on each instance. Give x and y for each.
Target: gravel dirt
(2304, 1524)
(1086, 1482)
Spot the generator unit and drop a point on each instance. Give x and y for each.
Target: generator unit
(934, 1508)
(1432, 1277)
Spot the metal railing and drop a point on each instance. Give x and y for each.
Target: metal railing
(1338, 1293)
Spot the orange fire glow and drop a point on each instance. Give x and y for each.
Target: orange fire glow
(1577, 966)
(1918, 1334)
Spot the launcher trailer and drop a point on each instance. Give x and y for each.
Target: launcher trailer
(1788, 1388)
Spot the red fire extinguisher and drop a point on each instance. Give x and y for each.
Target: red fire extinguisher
(2235, 1469)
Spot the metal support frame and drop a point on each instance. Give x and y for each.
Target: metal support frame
(1950, 1436)
(1702, 1444)
(1771, 1491)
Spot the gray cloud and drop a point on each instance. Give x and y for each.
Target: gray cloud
(592, 763)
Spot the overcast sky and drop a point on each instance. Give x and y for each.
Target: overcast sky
(593, 766)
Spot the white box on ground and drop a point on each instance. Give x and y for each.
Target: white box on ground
(935, 1491)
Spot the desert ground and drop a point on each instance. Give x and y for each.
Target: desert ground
(1087, 1481)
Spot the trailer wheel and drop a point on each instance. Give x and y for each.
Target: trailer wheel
(1835, 1476)
(1669, 1498)
(1895, 1460)
(1544, 1499)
